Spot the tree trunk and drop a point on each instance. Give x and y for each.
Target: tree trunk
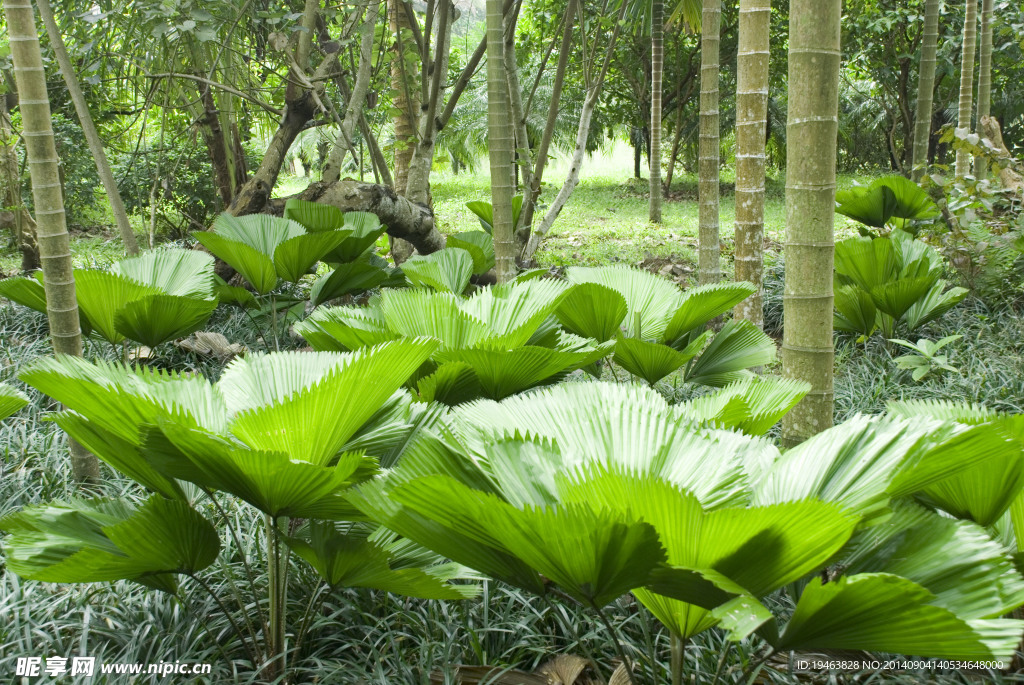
(522, 158)
(531, 195)
(963, 158)
(751, 127)
(499, 138)
(417, 186)
(332, 168)
(811, 134)
(405, 105)
(708, 238)
(657, 69)
(131, 246)
(925, 89)
(984, 79)
(405, 220)
(54, 244)
(15, 216)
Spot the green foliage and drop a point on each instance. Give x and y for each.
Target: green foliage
(485, 212)
(158, 296)
(708, 520)
(889, 202)
(926, 360)
(663, 328)
(11, 400)
(889, 283)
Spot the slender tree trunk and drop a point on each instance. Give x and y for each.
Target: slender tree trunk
(530, 199)
(336, 157)
(708, 238)
(657, 69)
(405, 105)
(963, 158)
(499, 135)
(751, 126)
(984, 79)
(925, 89)
(54, 244)
(582, 134)
(417, 186)
(811, 134)
(522, 158)
(131, 246)
(20, 222)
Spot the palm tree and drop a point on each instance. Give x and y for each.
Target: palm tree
(963, 158)
(707, 166)
(925, 88)
(807, 352)
(499, 129)
(657, 70)
(751, 125)
(54, 244)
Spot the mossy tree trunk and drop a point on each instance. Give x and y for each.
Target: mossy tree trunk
(15, 217)
(657, 71)
(811, 134)
(751, 127)
(54, 244)
(708, 238)
(963, 158)
(925, 88)
(499, 139)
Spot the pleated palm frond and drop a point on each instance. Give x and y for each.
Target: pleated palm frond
(479, 244)
(739, 346)
(886, 198)
(752, 405)
(88, 541)
(945, 410)
(11, 400)
(447, 270)
(344, 329)
(158, 296)
(363, 228)
(265, 249)
(351, 277)
(650, 300)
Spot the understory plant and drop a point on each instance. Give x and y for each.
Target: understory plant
(890, 284)
(285, 435)
(158, 296)
(927, 360)
(658, 328)
(889, 202)
(588, 491)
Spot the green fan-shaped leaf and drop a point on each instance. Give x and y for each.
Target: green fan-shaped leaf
(740, 345)
(933, 305)
(944, 410)
(11, 400)
(653, 361)
(102, 294)
(155, 319)
(271, 481)
(855, 310)
(592, 310)
(343, 329)
(865, 262)
(262, 379)
(346, 279)
(416, 312)
(883, 612)
(514, 312)
(261, 232)
(315, 217)
(27, 292)
(314, 423)
(348, 557)
(447, 270)
(895, 298)
(594, 556)
(233, 294)
(505, 372)
(365, 230)
(650, 299)
(752, 405)
(294, 257)
(453, 383)
(96, 541)
(186, 273)
(256, 267)
(702, 304)
(479, 245)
